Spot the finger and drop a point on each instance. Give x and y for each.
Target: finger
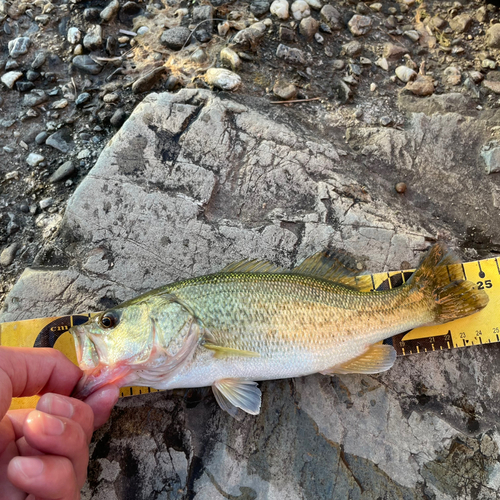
(26, 372)
(8, 451)
(58, 436)
(17, 418)
(102, 402)
(64, 406)
(26, 450)
(47, 477)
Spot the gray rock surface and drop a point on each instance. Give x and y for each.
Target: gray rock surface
(192, 182)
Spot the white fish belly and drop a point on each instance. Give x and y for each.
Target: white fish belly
(205, 369)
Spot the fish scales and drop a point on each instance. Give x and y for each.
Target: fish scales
(256, 322)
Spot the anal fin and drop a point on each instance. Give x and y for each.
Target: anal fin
(233, 393)
(377, 358)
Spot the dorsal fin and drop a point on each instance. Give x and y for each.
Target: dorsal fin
(252, 266)
(336, 266)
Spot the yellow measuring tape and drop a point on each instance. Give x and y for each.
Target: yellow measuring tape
(480, 328)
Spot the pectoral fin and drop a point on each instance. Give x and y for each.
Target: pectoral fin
(233, 393)
(377, 358)
(222, 352)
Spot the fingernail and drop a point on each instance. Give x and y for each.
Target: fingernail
(52, 426)
(56, 405)
(30, 467)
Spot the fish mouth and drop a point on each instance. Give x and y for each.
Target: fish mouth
(96, 374)
(102, 375)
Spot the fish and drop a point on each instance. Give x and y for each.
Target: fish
(256, 321)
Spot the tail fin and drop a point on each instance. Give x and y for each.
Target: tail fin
(440, 278)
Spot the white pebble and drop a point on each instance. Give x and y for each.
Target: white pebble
(34, 159)
(405, 74)
(373, 87)
(62, 103)
(74, 35)
(382, 63)
(315, 4)
(319, 38)
(84, 153)
(46, 203)
(222, 79)
(300, 9)
(280, 9)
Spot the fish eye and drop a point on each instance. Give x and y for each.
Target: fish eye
(109, 320)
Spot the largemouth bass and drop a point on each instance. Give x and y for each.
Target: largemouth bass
(255, 321)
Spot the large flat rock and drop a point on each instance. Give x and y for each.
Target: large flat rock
(193, 181)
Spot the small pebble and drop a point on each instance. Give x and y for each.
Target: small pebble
(175, 38)
(111, 97)
(118, 118)
(360, 25)
(9, 79)
(315, 4)
(74, 35)
(280, 9)
(405, 74)
(291, 55)
(39, 60)
(222, 79)
(199, 56)
(19, 46)
(46, 203)
(8, 254)
(352, 49)
(110, 11)
(67, 169)
(84, 153)
(338, 64)
(412, 35)
(401, 188)
(373, 87)
(62, 103)
(34, 159)
(308, 27)
(93, 39)
(385, 121)
(82, 98)
(285, 91)
(332, 17)
(488, 64)
(12, 175)
(300, 9)
(230, 59)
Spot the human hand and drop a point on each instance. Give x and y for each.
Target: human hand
(44, 452)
